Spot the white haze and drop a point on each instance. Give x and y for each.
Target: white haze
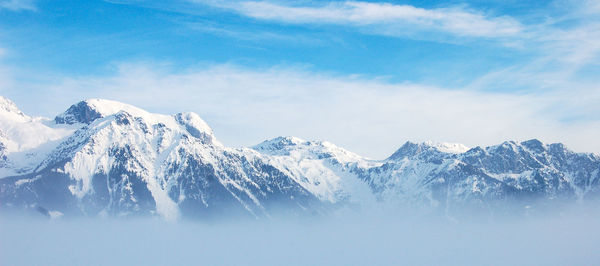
(567, 238)
(371, 117)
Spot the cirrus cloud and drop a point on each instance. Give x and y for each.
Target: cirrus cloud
(384, 18)
(17, 5)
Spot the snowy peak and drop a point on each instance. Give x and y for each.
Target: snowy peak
(108, 158)
(196, 127)
(297, 147)
(410, 149)
(7, 105)
(534, 145)
(511, 149)
(278, 143)
(447, 147)
(87, 111)
(318, 166)
(407, 150)
(9, 110)
(25, 141)
(505, 147)
(81, 112)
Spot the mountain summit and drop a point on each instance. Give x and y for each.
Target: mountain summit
(107, 158)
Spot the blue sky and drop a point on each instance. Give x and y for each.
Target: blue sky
(366, 75)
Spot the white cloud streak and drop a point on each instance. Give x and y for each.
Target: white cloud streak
(18, 5)
(564, 42)
(367, 116)
(382, 17)
(563, 49)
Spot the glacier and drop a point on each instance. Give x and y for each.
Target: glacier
(106, 158)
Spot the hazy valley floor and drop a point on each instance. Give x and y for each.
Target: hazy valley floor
(568, 239)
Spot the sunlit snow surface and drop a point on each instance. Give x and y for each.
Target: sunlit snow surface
(26, 140)
(105, 158)
(177, 160)
(570, 239)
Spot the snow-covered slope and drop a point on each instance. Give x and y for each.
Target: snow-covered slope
(125, 161)
(320, 167)
(445, 178)
(103, 157)
(25, 140)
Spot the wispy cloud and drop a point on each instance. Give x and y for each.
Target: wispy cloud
(18, 5)
(540, 96)
(383, 17)
(561, 49)
(253, 35)
(369, 116)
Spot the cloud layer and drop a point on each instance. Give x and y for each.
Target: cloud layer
(383, 17)
(553, 94)
(17, 5)
(369, 116)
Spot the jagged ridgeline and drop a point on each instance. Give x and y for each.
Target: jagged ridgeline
(105, 158)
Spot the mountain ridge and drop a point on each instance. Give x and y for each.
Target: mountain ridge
(115, 159)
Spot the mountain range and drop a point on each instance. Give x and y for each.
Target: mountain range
(106, 158)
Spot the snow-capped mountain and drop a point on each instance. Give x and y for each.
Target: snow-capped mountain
(103, 157)
(445, 178)
(123, 161)
(25, 140)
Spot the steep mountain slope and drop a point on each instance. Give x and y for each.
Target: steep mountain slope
(25, 140)
(102, 157)
(320, 167)
(123, 160)
(446, 178)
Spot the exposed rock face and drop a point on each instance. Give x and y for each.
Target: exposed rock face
(81, 112)
(107, 158)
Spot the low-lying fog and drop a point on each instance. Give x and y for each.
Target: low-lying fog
(571, 238)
